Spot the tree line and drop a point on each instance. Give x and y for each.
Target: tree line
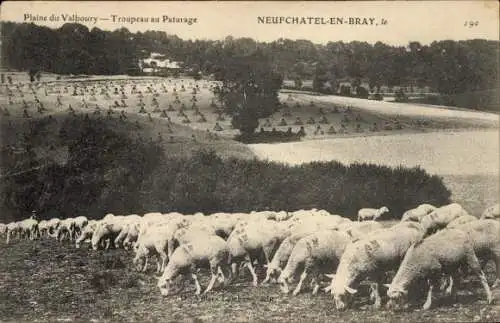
(448, 67)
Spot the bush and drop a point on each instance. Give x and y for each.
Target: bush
(345, 90)
(244, 185)
(106, 171)
(377, 96)
(362, 92)
(400, 96)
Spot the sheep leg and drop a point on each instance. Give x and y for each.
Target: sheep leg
(235, 270)
(484, 282)
(221, 278)
(158, 263)
(450, 288)
(428, 301)
(226, 274)
(315, 284)
(145, 264)
(375, 295)
(497, 269)
(108, 244)
(196, 283)
(476, 269)
(252, 272)
(215, 274)
(297, 289)
(170, 248)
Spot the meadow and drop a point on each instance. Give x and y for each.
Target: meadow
(47, 281)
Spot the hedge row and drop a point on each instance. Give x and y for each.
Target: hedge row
(106, 171)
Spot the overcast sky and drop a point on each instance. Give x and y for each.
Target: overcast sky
(423, 21)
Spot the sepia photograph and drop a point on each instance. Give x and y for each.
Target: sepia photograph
(271, 161)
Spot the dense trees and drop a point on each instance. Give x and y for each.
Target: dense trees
(449, 67)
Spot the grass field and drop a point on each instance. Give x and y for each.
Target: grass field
(47, 281)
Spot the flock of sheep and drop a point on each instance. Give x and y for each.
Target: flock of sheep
(434, 245)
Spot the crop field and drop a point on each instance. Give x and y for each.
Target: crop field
(47, 281)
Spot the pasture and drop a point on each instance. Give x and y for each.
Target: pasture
(47, 281)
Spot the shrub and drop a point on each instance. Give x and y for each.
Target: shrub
(106, 171)
(242, 186)
(362, 92)
(345, 90)
(400, 96)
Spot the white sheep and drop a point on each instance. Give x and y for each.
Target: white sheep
(298, 230)
(154, 243)
(285, 249)
(365, 214)
(418, 213)
(492, 212)
(371, 257)
(13, 229)
(77, 226)
(29, 228)
(187, 257)
(132, 236)
(317, 253)
(460, 221)
(64, 230)
(359, 230)
(256, 238)
(53, 225)
(158, 240)
(87, 232)
(485, 237)
(437, 255)
(442, 216)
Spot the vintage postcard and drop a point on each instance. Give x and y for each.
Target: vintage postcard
(287, 161)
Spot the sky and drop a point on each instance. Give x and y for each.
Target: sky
(423, 21)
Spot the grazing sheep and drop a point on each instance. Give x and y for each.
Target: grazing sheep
(43, 227)
(159, 240)
(3, 228)
(283, 252)
(154, 242)
(371, 214)
(437, 255)
(317, 253)
(87, 232)
(64, 230)
(371, 257)
(53, 225)
(132, 236)
(256, 240)
(440, 217)
(29, 228)
(358, 230)
(492, 212)
(106, 231)
(461, 220)
(191, 256)
(485, 237)
(77, 226)
(13, 229)
(299, 230)
(418, 213)
(186, 235)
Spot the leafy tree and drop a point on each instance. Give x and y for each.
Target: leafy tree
(249, 90)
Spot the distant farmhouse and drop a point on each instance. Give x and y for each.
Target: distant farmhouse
(158, 63)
